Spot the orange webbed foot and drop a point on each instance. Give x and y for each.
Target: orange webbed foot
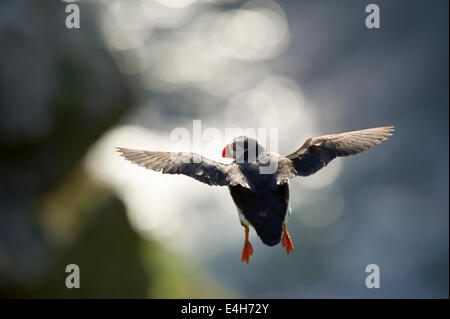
(247, 251)
(286, 240)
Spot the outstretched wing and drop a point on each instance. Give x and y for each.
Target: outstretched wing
(190, 164)
(317, 152)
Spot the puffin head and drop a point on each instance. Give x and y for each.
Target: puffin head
(243, 149)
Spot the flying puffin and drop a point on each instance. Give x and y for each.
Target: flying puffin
(257, 179)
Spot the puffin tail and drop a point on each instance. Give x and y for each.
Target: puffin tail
(269, 229)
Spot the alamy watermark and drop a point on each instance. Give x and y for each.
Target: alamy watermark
(73, 279)
(73, 17)
(373, 279)
(373, 18)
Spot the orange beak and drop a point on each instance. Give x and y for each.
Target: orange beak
(225, 152)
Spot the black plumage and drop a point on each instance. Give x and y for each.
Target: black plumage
(261, 197)
(265, 210)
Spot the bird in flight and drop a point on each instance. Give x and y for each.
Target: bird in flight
(258, 180)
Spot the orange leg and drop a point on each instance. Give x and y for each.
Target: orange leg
(248, 249)
(286, 240)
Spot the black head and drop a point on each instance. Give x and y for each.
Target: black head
(243, 149)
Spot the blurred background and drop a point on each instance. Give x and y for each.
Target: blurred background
(137, 69)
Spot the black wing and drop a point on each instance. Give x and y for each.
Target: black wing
(317, 152)
(189, 164)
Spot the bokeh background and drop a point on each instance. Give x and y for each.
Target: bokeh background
(137, 69)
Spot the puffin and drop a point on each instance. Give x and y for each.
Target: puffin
(258, 180)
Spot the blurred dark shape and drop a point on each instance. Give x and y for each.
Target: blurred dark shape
(108, 253)
(59, 91)
(58, 87)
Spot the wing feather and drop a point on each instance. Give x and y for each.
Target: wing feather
(190, 164)
(317, 152)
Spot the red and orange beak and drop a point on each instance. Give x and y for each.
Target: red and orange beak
(226, 152)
